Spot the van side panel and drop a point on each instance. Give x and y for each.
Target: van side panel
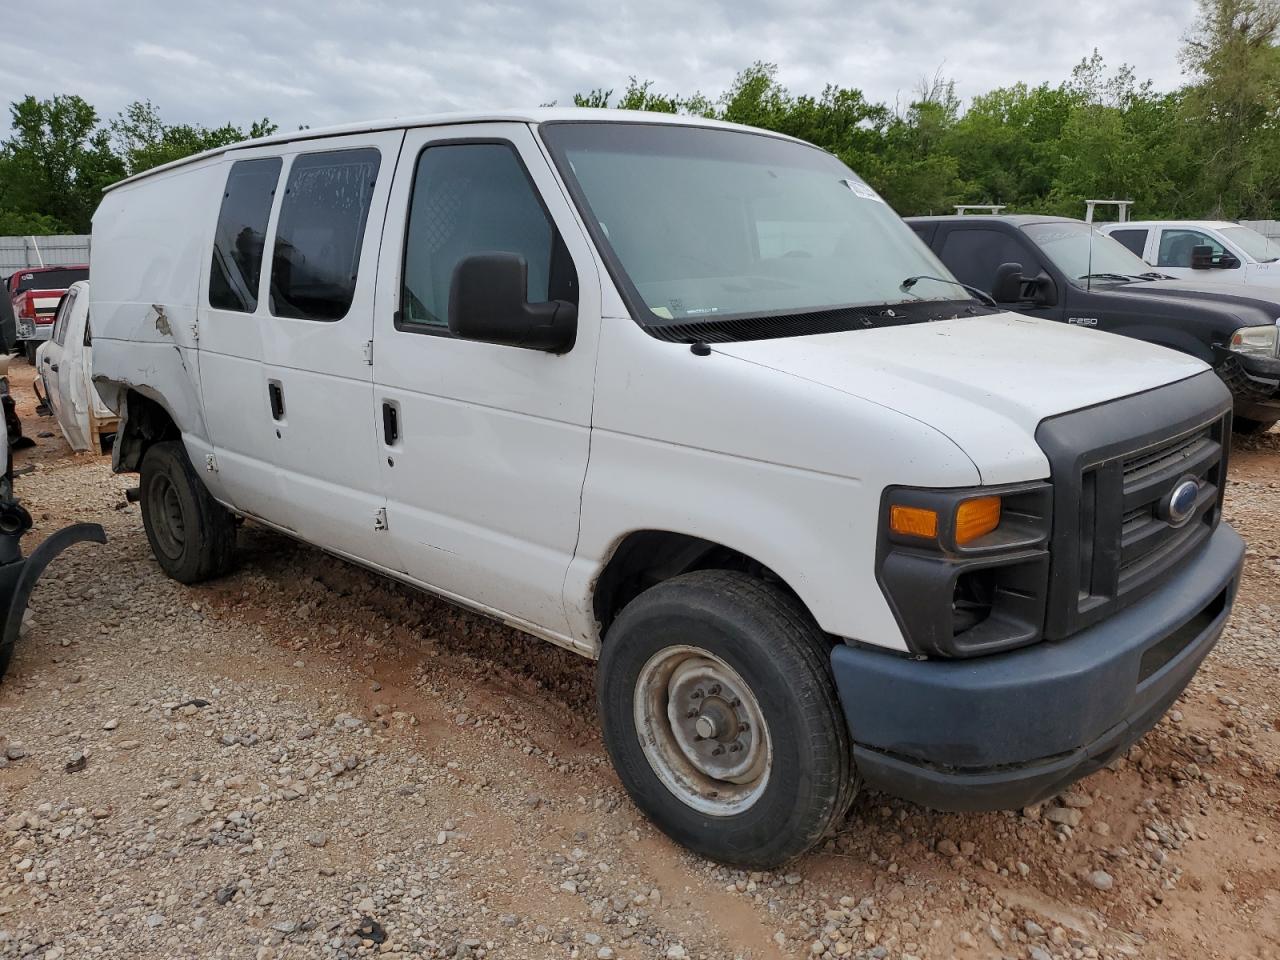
(150, 247)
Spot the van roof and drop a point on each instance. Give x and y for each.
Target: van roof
(1202, 224)
(538, 115)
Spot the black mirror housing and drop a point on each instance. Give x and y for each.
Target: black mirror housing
(1201, 257)
(1007, 287)
(1227, 262)
(487, 303)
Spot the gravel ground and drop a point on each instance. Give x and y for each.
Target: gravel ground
(305, 760)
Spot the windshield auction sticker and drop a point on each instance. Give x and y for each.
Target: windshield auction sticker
(862, 189)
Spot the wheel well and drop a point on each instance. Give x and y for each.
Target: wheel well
(145, 422)
(645, 558)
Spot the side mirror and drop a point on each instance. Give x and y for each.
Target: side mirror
(1201, 257)
(1227, 262)
(1007, 287)
(487, 303)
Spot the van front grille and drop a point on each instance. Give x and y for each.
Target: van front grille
(1115, 539)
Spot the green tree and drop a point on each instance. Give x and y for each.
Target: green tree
(1233, 103)
(143, 140)
(56, 162)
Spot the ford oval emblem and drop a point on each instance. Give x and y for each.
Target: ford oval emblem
(1180, 504)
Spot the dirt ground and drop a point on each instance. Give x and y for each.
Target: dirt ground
(305, 760)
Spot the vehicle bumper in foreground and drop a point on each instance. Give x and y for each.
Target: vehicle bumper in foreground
(1008, 730)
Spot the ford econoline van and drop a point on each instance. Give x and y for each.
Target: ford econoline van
(691, 399)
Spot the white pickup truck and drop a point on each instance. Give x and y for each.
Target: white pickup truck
(691, 399)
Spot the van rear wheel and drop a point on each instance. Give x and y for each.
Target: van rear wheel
(192, 536)
(721, 717)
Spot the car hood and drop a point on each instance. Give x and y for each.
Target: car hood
(985, 382)
(1249, 295)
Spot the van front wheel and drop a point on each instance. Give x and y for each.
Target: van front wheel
(721, 718)
(192, 536)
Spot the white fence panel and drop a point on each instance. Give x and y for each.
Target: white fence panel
(19, 252)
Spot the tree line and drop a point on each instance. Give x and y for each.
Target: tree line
(1210, 148)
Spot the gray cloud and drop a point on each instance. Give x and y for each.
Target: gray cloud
(317, 62)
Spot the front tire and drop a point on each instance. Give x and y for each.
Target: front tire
(721, 717)
(192, 536)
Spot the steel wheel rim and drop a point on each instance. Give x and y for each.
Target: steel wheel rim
(702, 730)
(170, 527)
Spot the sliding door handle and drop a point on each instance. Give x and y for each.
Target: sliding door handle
(390, 423)
(275, 392)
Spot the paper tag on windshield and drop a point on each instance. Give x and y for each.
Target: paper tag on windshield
(863, 190)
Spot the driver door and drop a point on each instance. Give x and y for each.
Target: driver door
(483, 447)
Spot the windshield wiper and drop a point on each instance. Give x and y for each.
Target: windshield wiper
(1123, 278)
(1153, 275)
(910, 282)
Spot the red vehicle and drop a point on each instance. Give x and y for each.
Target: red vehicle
(34, 293)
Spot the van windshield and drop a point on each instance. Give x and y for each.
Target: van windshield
(707, 224)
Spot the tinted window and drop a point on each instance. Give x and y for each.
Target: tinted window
(974, 254)
(1176, 246)
(476, 198)
(321, 232)
(49, 279)
(241, 234)
(1134, 240)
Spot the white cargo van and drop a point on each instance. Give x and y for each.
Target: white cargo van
(691, 399)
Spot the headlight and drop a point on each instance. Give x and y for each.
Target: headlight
(1255, 341)
(966, 570)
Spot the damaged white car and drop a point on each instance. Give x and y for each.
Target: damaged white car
(64, 367)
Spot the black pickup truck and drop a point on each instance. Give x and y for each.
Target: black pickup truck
(1064, 269)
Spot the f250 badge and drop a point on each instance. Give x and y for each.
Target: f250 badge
(1083, 321)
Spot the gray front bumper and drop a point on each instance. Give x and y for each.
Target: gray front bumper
(1003, 731)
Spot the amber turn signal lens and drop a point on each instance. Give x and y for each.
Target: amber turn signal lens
(976, 518)
(914, 522)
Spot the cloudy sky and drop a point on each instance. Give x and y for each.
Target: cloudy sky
(323, 61)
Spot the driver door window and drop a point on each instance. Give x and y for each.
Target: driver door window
(473, 198)
(1176, 247)
(975, 254)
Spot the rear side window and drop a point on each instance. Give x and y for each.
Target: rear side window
(1134, 240)
(321, 232)
(50, 279)
(974, 255)
(241, 234)
(476, 198)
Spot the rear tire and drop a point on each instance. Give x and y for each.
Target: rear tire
(29, 348)
(721, 717)
(1247, 427)
(192, 536)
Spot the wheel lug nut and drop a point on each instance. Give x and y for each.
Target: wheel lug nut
(715, 689)
(691, 714)
(697, 695)
(717, 751)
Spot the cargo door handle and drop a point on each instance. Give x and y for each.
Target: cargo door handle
(390, 423)
(52, 366)
(276, 394)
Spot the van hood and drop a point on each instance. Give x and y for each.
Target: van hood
(985, 382)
